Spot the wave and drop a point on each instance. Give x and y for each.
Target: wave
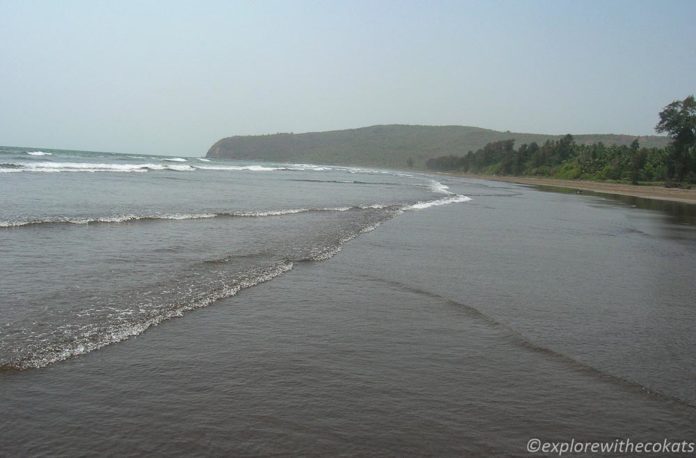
(325, 253)
(440, 188)
(128, 218)
(312, 167)
(457, 198)
(67, 343)
(329, 252)
(175, 216)
(104, 219)
(291, 211)
(372, 183)
(39, 153)
(54, 167)
(267, 168)
(87, 337)
(374, 171)
(89, 341)
(251, 168)
(180, 165)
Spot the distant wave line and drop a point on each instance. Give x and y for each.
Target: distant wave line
(178, 166)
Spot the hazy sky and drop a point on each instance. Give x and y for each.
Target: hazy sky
(172, 77)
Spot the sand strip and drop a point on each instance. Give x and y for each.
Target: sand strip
(645, 191)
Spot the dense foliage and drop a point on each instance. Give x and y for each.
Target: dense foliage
(562, 159)
(567, 159)
(678, 119)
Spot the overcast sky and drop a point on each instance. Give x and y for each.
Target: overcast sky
(172, 77)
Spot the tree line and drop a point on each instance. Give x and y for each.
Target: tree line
(566, 159)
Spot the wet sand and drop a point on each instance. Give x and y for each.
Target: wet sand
(687, 196)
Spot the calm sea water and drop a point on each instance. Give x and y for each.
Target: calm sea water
(177, 306)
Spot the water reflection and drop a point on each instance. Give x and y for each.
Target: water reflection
(680, 218)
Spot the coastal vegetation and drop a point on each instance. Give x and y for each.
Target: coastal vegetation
(565, 158)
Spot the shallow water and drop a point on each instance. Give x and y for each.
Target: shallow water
(459, 329)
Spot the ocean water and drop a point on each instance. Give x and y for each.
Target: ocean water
(181, 306)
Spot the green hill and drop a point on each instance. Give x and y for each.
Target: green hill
(388, 145)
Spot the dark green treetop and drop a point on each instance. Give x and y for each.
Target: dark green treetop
(678, 119)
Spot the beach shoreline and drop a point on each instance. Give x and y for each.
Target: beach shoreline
(686, 196)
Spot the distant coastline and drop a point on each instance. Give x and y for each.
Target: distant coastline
(391, 146)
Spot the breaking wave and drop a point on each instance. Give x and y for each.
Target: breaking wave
(457, 198)
(175, 216)
(439, 188)
(128, 218)
(89, 339)
(177, 164)
(54, 167)
(174, 164)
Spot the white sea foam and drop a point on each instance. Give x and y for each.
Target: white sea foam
(457, 198)
(440, 188)
(374, 171)
(374, 206)
(53, 167)
(251, 168)
(126, 218)
(180, 168)
(39, 153)
(310, 167)
(289, 211)
(191, 216)
(86, 342)
(106, 219)
(325, 253)
(175, 164)
(48, 167)
(268, 168)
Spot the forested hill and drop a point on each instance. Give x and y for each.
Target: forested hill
(389, 145)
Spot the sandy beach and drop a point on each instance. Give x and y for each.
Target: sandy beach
(687, 196)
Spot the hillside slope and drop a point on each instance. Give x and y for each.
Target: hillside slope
(387, 145)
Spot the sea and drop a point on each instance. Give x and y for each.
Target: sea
(184, 306)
